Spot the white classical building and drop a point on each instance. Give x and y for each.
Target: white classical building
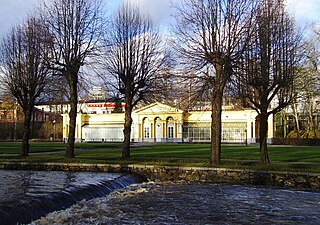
(158, 122)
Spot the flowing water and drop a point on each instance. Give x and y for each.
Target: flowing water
(75, 198)
(28, 195)
(194, 203)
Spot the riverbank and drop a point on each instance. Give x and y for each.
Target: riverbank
(302, 180)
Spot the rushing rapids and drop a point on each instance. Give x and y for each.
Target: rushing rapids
(29, 195)
(42, 197)
(193, 203)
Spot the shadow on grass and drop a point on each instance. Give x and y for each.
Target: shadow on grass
(235, 157)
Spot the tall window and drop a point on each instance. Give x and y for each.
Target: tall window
(146, 128)
(170, 126)
(146, 132)
(170, 131)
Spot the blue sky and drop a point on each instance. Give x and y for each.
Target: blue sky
(13, 11)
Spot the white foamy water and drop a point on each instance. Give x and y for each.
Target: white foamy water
(95, 211)
(193, 203)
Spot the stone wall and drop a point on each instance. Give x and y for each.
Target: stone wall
(234, 176)
(192, 174)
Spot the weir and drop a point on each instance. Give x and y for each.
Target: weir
(28, 195)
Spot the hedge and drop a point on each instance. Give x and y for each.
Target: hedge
(296, 141)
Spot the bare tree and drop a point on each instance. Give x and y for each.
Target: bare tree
(211, 36)
(307, 96)
(310, 82)
(271, 66)
(133, 59)
(23, 55)
(77, 28)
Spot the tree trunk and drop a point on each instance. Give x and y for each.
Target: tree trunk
(284, 123)
(296, 120)
(311, 127)
(264, 157)
(72, 118)
(127, 130)
(26, 132)
(215, 148)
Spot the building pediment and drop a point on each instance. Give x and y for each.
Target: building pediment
(157, 108)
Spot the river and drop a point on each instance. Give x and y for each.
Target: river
(194, 203)
(27, 195)
(42, 197)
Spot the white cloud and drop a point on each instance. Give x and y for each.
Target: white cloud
(304, 10)
(158, 9)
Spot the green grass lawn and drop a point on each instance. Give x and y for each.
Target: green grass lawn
(232, 156)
